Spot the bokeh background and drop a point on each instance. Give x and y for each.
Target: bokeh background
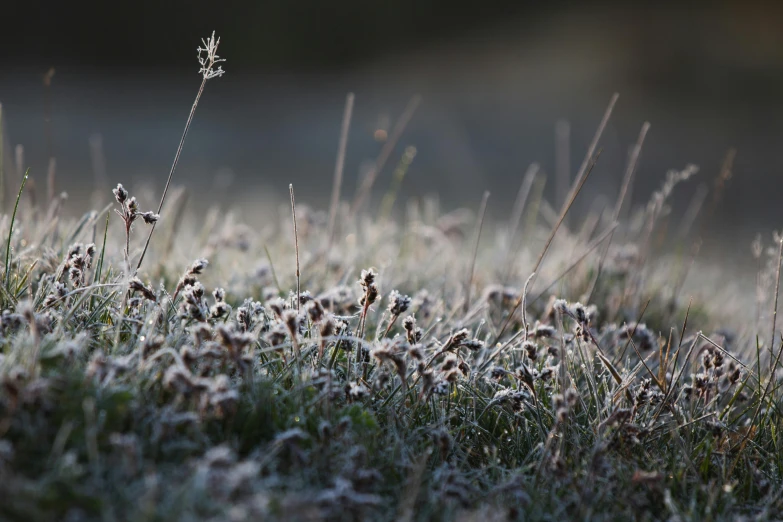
(495, 79)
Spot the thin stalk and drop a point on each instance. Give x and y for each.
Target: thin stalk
(99, 271)
(773, 364)
(179, 214)
(583, 168)
(340, 164)
(629, 173)
(173, 167)
(524, 303)
(562, 160)
(480, 225)
(296, 245)
(592, 246)
(11, 232)
(208, 71)
(775, 311)
(519, 204)
(516, 212)
(272, 268)
(572, 196)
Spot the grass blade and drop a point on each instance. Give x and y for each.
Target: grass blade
(11, 232)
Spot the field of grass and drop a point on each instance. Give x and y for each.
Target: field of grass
(352, 365)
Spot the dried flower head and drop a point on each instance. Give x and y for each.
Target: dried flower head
(208, 58)
(531, 349)
(135, 285)
(544, 330)
(120, 194)
(398, 303)
(315, 310)
(561, 306)
(150, 217)
(413, 333)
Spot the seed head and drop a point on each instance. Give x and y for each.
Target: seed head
(546, 374)
(150, 217)
(198, 266)
(219, 309)
(416, 353)
(544, 330)
(497, 372)
(449, 363)
(136, 285)
(459, 337)
(208, 57)
(327, 327)
(357, 391)
(734, 373)
(413, 333)
(370, 295)
(579, 312)
(315, 310)
(571, 396)
(398, 303)
(120, 194)
(291, 320)
(531, 350)
(368, 277)
(473, 345)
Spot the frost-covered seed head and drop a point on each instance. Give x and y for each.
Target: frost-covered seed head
(120, 194)
(208, 58)
(398, 303)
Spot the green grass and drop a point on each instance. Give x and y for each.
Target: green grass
(120, 407)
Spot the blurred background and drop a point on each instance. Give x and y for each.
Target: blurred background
(106, 88)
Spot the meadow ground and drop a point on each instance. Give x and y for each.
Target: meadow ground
(356, 365)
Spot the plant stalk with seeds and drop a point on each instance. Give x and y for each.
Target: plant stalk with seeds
(208, 58)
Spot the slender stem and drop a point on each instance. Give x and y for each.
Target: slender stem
(127, 244)
(591, 149)
(629, 172)
(572, 196)
(173, 167)
(340, 164)
(272, 268)
(11, 232)
(296, 246)
(390, 325)
(482, 212)
(524, 303)
(516, 214)
(775, 311)
(98, 272)
(592, 246)
(562, 160)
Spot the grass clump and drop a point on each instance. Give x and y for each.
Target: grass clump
(368, 383)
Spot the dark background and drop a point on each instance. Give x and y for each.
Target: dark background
(270, 35)
(495, 76)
